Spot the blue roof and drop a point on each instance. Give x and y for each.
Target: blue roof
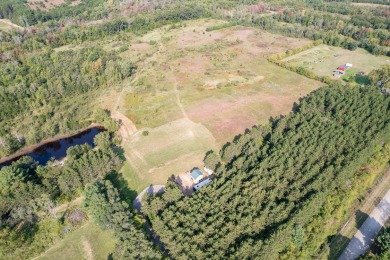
(195, 173)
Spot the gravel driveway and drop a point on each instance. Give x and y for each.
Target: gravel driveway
(153, 189)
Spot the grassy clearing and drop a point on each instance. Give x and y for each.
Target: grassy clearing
(166, 150)
(77, 244)
(212, 70)
(324, 59)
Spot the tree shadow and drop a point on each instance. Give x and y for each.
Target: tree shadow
(121, 184)
(362, 79)
(336, 245)
(360, 217)
(120, 152)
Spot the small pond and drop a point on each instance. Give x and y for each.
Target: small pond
(57, 149)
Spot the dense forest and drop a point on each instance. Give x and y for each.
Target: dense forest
(273, 181)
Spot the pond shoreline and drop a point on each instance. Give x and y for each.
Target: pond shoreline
(31, 148)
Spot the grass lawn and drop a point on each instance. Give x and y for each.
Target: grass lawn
(323, 59)
(87, 241)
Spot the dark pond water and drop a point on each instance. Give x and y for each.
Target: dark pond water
(57, 149)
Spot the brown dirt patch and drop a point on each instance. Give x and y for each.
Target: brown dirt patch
(185, 183)
(231, 116)
(127, 127)
(87, 248)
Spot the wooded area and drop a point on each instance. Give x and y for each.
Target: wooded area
(273, 181)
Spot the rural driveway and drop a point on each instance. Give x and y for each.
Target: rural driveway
(367, 233)
(152, 189)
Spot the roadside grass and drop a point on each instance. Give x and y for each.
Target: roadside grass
(351, 208)
(71, 247)
(133, 179)
(324, 59)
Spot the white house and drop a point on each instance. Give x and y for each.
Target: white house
(196, 175)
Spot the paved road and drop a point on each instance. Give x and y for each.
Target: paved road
(367, 233)
(150, 190)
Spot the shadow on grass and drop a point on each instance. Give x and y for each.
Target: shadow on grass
(122, 185)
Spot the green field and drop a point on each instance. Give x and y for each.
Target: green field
(87, 242)
(323, 59)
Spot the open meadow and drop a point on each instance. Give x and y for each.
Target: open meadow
(194, 90)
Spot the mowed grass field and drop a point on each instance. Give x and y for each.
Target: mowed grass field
(87, 242)
(323, 59)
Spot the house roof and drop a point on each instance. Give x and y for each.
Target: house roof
(196, 173)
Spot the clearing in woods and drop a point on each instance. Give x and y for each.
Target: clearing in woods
(195, 90)
(323, 59)
(88, 242)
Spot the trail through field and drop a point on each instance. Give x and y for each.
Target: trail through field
(87, 248)
(67, 205)
(178, 101)
(6, 21)
(127, 127)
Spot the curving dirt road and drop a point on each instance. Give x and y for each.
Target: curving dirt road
(367, 233)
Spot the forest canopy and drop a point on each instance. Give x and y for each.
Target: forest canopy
(272, 181)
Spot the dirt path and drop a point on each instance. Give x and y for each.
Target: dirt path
(127, 127)
(67, 205)
(177, 94)
(6, 21)
(87, 248)
(367, 233)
